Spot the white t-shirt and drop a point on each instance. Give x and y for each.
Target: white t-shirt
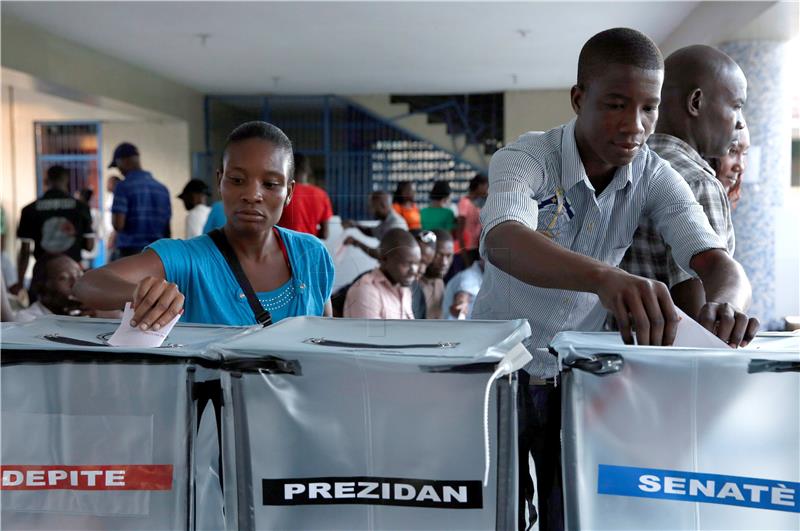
(196, 220)
(37, 309)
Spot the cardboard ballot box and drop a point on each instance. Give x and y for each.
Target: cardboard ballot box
(680, 438)
(99, 437)
(355, 424)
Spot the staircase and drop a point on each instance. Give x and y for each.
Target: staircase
(436, 120)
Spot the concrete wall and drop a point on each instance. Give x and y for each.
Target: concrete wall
(535, 110)
(55, 60)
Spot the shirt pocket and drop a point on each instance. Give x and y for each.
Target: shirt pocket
(553, 222)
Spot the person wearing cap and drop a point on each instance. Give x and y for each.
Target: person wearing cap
(141, 211)
(194, 199)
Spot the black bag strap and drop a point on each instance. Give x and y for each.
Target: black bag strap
(263, 317)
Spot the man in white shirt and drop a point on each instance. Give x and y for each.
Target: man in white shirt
(194, 197)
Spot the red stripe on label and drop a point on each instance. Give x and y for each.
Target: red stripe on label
(86, 477)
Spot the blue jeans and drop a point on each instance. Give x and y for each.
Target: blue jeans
(540, 435)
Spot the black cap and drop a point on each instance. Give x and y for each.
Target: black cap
(195, 186)
(124, 150)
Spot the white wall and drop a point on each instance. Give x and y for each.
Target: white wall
(164, 145)
(535, 110)
(20, 109)
(164, 152)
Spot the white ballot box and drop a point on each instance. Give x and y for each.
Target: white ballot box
(100, 437)
(680, 438)
(355, 424)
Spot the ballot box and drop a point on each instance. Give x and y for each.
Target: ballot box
(355, 424)
(680, 438)
(100, 437)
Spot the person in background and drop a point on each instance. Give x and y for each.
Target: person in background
(56, 223)
(403, 202)
(730, 167)
(427, 247)
(87, 257)
(701, 114)
(194, 196)
(384, 292)
(468, 223)
(216, 217)
(310, 208)
(290, 272)
(439, 215)
(108, 226)
(381, 210)
(459, 296)
(141, 211)
(429, 291)
(8, 267)
(53, 279)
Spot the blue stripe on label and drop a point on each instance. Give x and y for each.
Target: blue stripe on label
(696, 487)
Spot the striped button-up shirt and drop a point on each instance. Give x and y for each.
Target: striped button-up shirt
(540, 182)
(649, 256)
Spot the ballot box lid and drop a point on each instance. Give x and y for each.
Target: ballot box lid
(90, 336)
(402, 341)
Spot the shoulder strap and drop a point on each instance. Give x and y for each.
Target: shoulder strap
(263, 317)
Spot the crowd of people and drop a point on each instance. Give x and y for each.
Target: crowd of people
(615, 219)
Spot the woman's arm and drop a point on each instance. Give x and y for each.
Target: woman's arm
(138, 279)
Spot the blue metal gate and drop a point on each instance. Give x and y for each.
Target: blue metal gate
(353, 151)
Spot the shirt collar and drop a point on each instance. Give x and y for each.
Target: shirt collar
(573, 171)
(663, 142)
(136, 174)
(54, 193)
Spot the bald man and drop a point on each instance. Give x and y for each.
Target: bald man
(700, 114)
(384, 292)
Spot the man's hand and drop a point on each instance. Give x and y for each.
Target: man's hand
(156, 302)
(639, 303)
(350, 241)
(728, 323)
(348, 224)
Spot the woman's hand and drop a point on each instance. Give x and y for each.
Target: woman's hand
(156, 302)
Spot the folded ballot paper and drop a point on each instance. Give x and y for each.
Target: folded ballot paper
(130, 336)
(692, 334)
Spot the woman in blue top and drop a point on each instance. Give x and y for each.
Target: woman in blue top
(291, 273)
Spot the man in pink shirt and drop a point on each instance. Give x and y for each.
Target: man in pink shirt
(384, 292)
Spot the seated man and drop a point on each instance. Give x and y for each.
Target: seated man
(381, 208)
(429, 290)
(53, 277)
(462, 289)
(384, 292)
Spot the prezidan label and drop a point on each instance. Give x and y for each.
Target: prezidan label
(86, 477)
(373, 491)
(697, 487)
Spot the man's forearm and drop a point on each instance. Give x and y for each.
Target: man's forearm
(724, 280)
(534, 259)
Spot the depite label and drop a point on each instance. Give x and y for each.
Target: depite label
(373, 491)
(86, 477)
(697, 487)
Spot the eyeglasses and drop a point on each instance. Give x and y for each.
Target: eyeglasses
(427, 236)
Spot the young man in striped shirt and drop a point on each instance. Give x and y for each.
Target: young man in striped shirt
(562, 210)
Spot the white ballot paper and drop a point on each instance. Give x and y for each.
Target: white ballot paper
(692, 334)
(129, 336)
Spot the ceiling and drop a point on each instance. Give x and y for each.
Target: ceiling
(350, 47)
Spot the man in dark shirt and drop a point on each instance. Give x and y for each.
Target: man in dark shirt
(56, 223)
(141, 211)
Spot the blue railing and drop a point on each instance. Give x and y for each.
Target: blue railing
(353, 150)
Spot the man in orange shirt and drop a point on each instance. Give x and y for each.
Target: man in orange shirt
(310, 207)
